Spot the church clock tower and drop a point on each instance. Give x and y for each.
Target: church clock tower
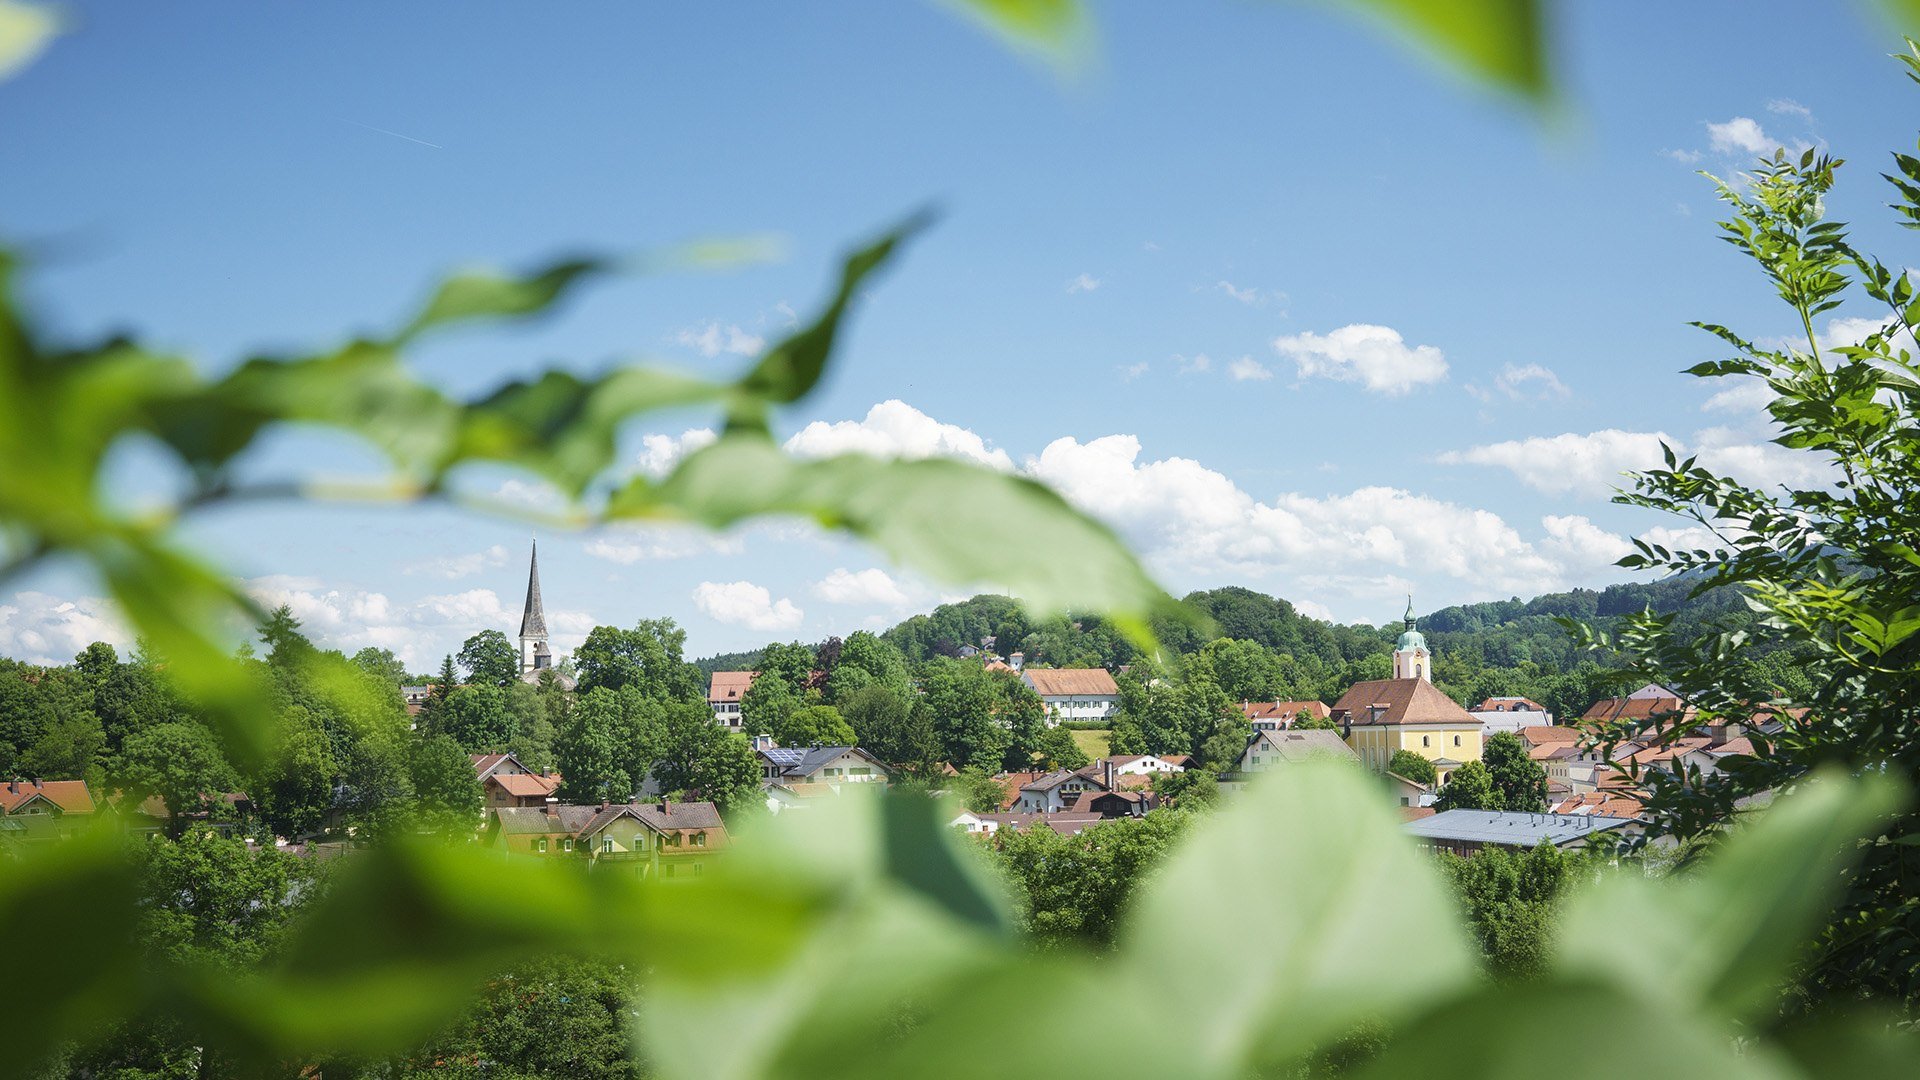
(1411, 660)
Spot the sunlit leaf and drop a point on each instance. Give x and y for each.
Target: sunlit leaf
(1054, 28)
(488, 295)
(1501, 42)
(1725, 934)
(1297, 909)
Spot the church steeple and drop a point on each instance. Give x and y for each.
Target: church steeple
(534, 653)
(1411, 660)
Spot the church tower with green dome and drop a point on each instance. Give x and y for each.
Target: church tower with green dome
(1411, 660)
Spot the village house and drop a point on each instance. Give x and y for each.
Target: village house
(33, 810)
(793, 777)
(1053, 792)
(1465, 832)
(504, 781)
(1648, 704)
(654, 839)
(1497, 714)
(1074, 693)
(724, 692)
(1126, 765)
(1269, 748)
(1066, 824)
(1272, 715)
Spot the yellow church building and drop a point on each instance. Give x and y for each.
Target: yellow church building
(1407, 712)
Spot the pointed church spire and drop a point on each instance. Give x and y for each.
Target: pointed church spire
(533, 622)
(1409, 616)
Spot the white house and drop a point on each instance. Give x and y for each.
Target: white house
(1059, 790)
(1074, 693)
(1142, 765)
(1270, 748)
(724, 692)
(1510, 714)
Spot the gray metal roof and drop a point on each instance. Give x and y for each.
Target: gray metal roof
(804, 761)
(1511, 827)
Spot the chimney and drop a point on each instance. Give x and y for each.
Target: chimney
(1108, 762)
(663, 805)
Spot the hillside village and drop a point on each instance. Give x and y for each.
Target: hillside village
(1018, 745)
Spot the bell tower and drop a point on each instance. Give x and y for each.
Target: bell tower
(1411, 660)
(534, 653)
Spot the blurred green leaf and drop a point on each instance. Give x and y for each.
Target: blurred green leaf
(1506, 1032)
(1054, 28)
(487, 295)
(1502, 42)
(25, 31)
(67, 918)
(1725, 935)
(1853, 1044)
(1294, 911)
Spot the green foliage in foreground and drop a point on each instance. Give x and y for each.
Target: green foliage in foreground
(880, 902)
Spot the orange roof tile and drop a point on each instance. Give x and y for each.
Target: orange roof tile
(1400, 701)
(1065, 682)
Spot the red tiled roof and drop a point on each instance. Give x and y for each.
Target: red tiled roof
(729, 686)
(527, 785)
(70, 796)
(1607, 710)
(1401, 701)
(1550, 733)
(1509, 704)
(1067, 682)
(1285, 711)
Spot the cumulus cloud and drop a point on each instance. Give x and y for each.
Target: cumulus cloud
(1684, 157)
(453, 567)
(660, 453)
(712, 339)
(1190, 519)
(1252, 297)
(1743, 394)
(866, 588)
(1595, 463)
(1192, 365)
(1083, 283)
(895, 429)
(1130, 372)
(1789, 107)
(1589, 464)
(742, 603)
(419, 631)
(43, 629)
(1742, 134)
(632, 544)
(1247, 368)
(1377, 357)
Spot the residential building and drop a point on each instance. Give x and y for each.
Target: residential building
(504, 781)
(1410, 793)
(794, 777)
(32, 810)
(1125, 765)
(724, 692)
(1650, 703)
(1273, 715)
(1074, 693)
(1269, 748)
(1056, 791)
(1465, 832)
(1113, 804)
(656, 839)
(1497, 714)
(1066, 824)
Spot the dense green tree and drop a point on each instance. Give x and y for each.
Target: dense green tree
(977, 790)
(280, 633)
(649, 657)
(1023, 716)
(294, 792)
(1519, 782)
(767, 704)
(563, 1018)
(611, 743)
(895, 729)
(382, 664)
(1414, 767)
(815, 725)
(1076, 888)
(182, 764)
(1243, 670)
(865, 659)
(444, 684)
(1469, 788)
(1509, 898)
(69, 747)
(446, 794)
(129, 698)
(490, 659)
(702, 760)
(1189, 789)
(477, 718)
(789, 663)
(962, 698)
(1056, 749)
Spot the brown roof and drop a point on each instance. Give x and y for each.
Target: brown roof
(1400, 701)
(1284, 710)
(70, 796)
(1011, 783)
(729, 685)
(1066, 682)
(1066, 824)
(527, 785)
(1607, 710)
(1415, 813)
(1083, 804)
(1600, 804)
(1550, 733)
(1741, 745)
(1509, 704)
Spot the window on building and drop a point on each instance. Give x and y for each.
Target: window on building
(567, 844)
(1456, 740)
(540, 845)
(1426, 740)
(606, 843)
(699, 839)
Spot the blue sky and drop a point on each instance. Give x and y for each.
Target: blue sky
(1291, 307)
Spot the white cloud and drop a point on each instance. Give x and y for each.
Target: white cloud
(1789, 107)
(1743, 394)
(453, 567)
(530, 495)
(43, 629)
(1742, 134)
(1594, 464)
(1131, 372)
(742, 603)
(1375, 356)
(1083, 283)
(419, 632)
(1529, 382)
(894, 429)
(1193, 365)
(660, 453)
(712, 339)
(1248, 368)
(1313, 609)
(1192, 520)
(1684, 157)
(866, 588)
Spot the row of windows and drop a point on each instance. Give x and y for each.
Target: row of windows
(699, 839)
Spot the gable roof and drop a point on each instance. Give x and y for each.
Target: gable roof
(1301, 745)
(804, 761)
(1067, 682)
(1049, 781)
(1066, 824)
(526, 785)
(1512, 827)
(1509, 704)
(1284, 710)
(1631, 708)
(1554, 734)
(68, 796)
(729, 685)
(1401, 701)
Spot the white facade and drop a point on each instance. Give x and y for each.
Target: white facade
(1144, 765)
(1080, 707)
(1512, 720)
